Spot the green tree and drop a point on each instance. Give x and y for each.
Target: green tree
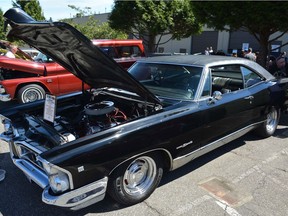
(261, 19)
(81, 12)
(95, 30)
(2, 33)
(92, 28)
(147, 19)
(31, 7)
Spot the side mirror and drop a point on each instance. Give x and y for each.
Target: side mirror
(217, 95)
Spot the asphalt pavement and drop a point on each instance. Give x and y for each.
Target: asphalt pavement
(247, 177)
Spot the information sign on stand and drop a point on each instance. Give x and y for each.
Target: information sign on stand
(50, 108)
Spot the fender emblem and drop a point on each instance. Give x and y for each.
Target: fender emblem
(80, 169)
(185, 144)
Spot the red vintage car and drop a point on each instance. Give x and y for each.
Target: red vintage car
(28, 80)
(125, 52)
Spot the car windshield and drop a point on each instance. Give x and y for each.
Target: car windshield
(168, 80)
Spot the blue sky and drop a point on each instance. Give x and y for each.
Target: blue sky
(58, 9)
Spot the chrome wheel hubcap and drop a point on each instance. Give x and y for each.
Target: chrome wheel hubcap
(31, 95)
(139, 176)
(272, 119)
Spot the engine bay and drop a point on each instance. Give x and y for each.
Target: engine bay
(79, 118)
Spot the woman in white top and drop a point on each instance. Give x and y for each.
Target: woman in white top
(11, 52)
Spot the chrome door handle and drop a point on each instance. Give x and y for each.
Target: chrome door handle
(249, 97)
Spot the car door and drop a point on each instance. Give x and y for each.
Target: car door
(240, 105)
(214, 120)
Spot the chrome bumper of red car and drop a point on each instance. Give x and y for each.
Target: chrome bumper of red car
(5, 97)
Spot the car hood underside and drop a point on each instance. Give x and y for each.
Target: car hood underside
(75, 52)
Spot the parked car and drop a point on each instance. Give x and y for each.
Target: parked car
(27, 79)
(121, 135)
(125, 52)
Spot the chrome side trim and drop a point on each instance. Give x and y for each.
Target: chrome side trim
(180, 161)
(32, 172)
(79, 198)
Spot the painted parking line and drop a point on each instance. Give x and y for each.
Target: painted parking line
(229, 210)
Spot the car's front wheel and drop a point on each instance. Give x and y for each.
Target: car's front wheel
(135, 181)
(268, 128)
(30, 93)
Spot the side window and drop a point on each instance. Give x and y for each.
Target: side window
(136, 52)
(128, 51)
(109, 51)
(124, 51)
(250, 77)
(226, 78)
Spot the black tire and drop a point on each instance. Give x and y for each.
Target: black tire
(30, 93)
(268, 128)
(136, 180)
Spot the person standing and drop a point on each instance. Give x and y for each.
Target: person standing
(211, 51)
(12, 51)
(281, 62)
(250, 55)
(207, 51)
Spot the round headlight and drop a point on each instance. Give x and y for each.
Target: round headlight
(59, 182)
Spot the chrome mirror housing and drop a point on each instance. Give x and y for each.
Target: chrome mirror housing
(217, 95)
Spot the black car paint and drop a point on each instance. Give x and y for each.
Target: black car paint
(176, 130)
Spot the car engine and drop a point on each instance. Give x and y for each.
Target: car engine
(74, 120)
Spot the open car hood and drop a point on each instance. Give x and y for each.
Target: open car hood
(75, 52)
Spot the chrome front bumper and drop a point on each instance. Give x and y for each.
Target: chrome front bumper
(78, 198)
(74, 200)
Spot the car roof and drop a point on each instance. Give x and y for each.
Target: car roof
(194, 59)
(208, 61)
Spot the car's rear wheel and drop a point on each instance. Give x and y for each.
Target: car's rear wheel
(268, 128)
(135, 181)
(30, 93)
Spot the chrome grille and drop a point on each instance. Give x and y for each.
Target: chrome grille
(22, 150)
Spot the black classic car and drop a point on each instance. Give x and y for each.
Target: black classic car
(121, 135)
